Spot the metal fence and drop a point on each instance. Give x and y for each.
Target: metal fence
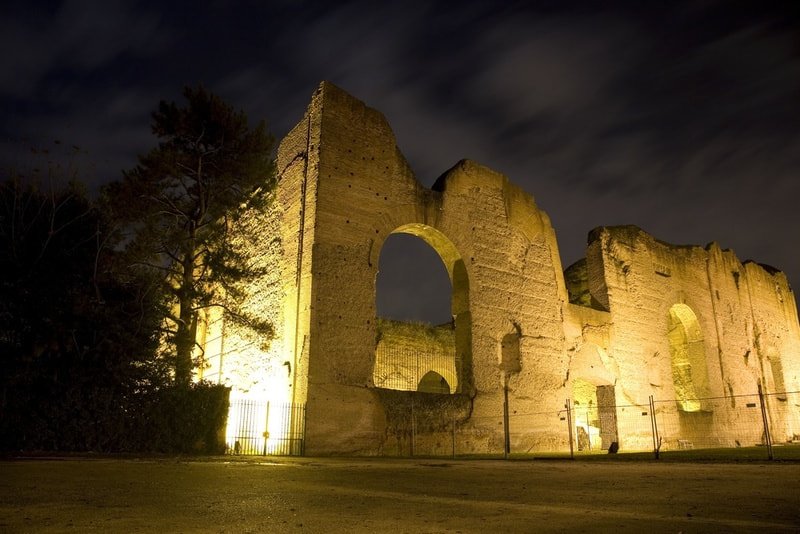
(758, 425)
(765, 426)
(266, 428)
(408, 369)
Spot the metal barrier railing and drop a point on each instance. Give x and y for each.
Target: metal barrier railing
(266, 428)
(757, 425)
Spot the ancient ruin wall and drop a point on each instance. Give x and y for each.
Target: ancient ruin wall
(344, 187)
(740, 308)
(278, 241)
(776, 343)
(235, 355)
(491, 234)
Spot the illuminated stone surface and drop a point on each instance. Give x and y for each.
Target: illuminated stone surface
(641, 317)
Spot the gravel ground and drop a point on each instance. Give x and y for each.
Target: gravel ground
(394, 495)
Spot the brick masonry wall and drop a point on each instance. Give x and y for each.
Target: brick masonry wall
(746, 313)
(345, 187)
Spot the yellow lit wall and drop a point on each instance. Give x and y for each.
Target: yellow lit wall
(674, 322)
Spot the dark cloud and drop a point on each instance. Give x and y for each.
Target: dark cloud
(679, 117)
(71, 41)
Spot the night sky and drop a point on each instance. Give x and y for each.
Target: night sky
(680, 117)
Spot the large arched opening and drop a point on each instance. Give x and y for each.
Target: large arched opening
(423, 341)
(688, 358)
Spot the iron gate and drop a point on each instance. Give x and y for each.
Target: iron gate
(266, 428)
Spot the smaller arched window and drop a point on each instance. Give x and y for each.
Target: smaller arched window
(433, 382)
(510, 360)
(774, 375)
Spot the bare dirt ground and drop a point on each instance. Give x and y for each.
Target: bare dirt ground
(392, 495)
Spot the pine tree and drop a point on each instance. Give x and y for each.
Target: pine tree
(181, 204)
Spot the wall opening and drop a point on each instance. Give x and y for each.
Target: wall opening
(687, 352)
(773, 374)
(433, 382)
(412, 283)
(422, 303)
(595, 415)
(510, 358)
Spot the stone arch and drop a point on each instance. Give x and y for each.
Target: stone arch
(451, 258)
(412, 283)
(688, 358)
(433, 382)
(413, 350)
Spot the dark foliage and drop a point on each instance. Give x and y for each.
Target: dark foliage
(181, 205)
(79, 364)
(90, 291)
(78, 337)
(181, 419)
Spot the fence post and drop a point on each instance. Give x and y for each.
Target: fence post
(506, 434)
(654, 428)
(588, 431)
(767, 436)
(413, 427)
(454, 435)
(569, 427)
(303, 428)
(266, 429)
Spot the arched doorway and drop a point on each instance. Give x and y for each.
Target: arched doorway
(410, 346)
(433, 382)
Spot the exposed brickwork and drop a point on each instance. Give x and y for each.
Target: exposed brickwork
(344, 188)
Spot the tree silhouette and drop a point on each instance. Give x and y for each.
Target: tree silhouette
(78, 335)
(180, 205)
